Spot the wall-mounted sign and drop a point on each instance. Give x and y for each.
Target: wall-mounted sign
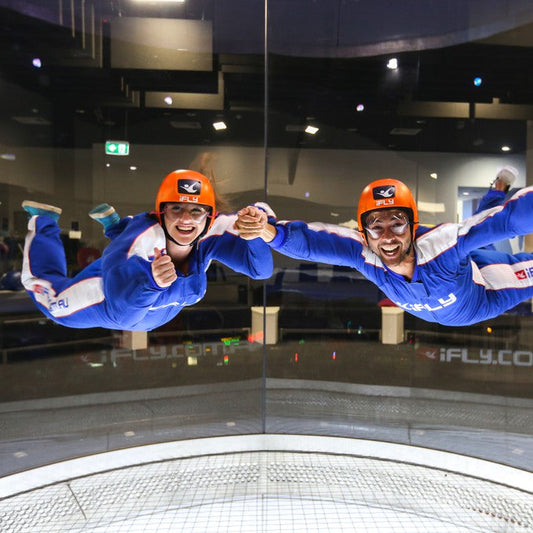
(117, 148)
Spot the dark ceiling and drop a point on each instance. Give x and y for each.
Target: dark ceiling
(79, 96)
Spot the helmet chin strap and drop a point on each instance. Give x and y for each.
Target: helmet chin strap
(169, 237)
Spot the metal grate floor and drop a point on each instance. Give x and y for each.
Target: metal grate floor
(266, 491)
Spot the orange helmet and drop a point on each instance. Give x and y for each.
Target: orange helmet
(386, 194)
(186, 186)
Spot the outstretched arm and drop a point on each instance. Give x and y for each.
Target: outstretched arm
(324, 243)
(502, 222)
(250, 256)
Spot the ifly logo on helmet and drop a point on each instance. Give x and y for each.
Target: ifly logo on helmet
(384, 195)
(189, 186)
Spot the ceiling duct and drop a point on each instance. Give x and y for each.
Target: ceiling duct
(136, 43)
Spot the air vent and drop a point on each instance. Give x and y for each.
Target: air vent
(32, 121)
(186, 124)
(295, 127)
(405, 131)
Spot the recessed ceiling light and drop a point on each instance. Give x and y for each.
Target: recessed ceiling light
(392, 63)
(506, 148)
(433, 175)
(311, 130)
(359, 108)
(219, 125)
(168, 100)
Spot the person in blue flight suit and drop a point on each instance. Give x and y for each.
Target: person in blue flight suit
(154, 266)
(495, 196)
(498, 189)
(439, 274)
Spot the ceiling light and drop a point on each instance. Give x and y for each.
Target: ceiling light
(506, 148)
(392, 63)
(219, 125)
(466, 193)
(360, 107)
(168, 100)
(8, 157)
(133, 168)
(311, 130)
(477, 81)
(36, 62)
(433, 175)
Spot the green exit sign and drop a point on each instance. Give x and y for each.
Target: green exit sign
(117, 148)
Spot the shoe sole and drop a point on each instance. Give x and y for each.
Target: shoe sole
(44, 207)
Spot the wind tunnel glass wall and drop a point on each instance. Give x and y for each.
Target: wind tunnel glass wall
(99, 104)
(101, 100)
(355, 97)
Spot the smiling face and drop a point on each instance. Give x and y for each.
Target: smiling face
(388, 233)
(184, 221)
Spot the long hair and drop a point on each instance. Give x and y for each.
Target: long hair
(204, 163)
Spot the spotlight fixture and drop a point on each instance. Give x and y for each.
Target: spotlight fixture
(359, 108)
(37, 62)
(219, 125)
(392, 63)
(477, 81)
(168, 100)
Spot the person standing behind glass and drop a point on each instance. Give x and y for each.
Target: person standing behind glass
(498, 188)
(497, 194)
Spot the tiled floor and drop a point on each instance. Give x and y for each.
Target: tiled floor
(269, 483)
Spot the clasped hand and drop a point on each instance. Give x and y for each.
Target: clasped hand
(251, 222)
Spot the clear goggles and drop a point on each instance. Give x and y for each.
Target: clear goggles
(397, 223)
(198, 213)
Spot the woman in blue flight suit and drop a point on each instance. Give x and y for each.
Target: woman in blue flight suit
(154, 266)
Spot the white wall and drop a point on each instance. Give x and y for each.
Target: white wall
(79, 179)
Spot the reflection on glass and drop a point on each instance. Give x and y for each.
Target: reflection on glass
(310, 114)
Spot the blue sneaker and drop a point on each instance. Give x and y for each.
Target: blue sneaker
(105, 214)
(36, 208)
